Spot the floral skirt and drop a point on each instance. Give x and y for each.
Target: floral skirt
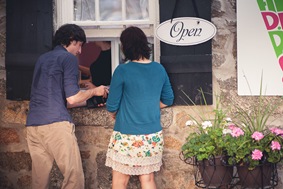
(135, 154)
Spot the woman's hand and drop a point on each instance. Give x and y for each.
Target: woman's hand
(113, 114)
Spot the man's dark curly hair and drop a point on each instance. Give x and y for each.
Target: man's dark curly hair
(67, 33)
(134, 44)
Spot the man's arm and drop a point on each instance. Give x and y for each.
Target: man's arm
(81, 104)
(84, 95)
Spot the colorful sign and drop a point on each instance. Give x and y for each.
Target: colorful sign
(185, 31)
(272, 15)
(260, 47)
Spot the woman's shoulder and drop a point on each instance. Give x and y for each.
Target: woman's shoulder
(120, 68)
(134, 64)
(158, 64)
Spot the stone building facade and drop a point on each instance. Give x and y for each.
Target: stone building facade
(94, 126)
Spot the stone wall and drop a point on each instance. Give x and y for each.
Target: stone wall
(94, 126)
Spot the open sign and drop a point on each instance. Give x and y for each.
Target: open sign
(185, 31)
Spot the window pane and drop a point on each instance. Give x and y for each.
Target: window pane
(84, 10)
(110, 10)
(137, 9)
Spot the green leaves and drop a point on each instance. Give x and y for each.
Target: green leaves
(209, 139)
(204, 145)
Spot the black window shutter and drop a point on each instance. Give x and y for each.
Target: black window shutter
(29, 29)
(189, 67)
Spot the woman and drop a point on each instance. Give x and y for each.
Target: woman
(100, 74)
(100, 69)
(138, 90)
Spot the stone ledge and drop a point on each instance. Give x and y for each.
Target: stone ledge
(100, 117)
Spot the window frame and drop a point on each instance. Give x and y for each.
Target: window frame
(109, 30)
(66, 8)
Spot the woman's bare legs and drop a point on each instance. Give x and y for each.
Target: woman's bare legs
(119, 180)
(147, 181)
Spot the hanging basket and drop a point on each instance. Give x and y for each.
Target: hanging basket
(214, 173)
(263, 176)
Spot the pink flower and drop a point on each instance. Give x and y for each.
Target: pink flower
(236, 131)
(232, 126)
(275, 145)
(256, 154)
(276, 131)
(257, 136)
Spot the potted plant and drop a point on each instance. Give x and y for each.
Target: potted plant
(254, 148)
(255, 155)
(206, 147)
(252, 145)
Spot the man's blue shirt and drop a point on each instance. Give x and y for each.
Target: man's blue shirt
(55, 78)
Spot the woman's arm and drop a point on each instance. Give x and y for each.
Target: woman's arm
(113, 114)
(162, 105)
(85, 70)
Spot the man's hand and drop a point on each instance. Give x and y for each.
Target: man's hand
(86, 94)
(101, 91)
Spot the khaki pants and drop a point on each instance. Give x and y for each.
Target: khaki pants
(56, 141)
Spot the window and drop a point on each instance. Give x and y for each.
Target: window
(91, 51)
(110, 10)
(104, 20)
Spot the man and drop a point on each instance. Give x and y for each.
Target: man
(50, 131)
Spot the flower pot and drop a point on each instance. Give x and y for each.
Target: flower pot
(259, 177)
(215, 172)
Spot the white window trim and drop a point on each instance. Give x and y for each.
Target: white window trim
(98, 30)
(64, 9)
(115, 54)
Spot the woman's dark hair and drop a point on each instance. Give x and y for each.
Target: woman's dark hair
(134, 44)
(67, 33)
